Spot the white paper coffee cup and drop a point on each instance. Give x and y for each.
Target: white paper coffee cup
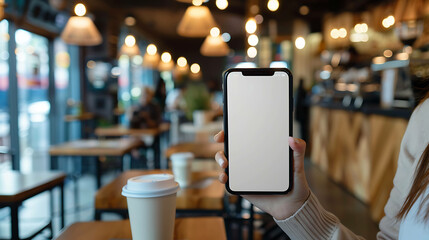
(151, 203)
(181, 165)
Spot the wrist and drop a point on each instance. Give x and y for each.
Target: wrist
(288, 209)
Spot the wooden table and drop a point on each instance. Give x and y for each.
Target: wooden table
(203, 196)
(95, 148)
(15, 187)
(87, 120)
(202, 133)
(79, 117)
(199, 149)
(121, 131)
(207, 228)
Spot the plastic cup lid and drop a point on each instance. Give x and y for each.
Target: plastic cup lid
(182, 156)
(151, 185)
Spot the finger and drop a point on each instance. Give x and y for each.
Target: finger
(219, 137)
(223, 178)
(298, 147)
(221, 159)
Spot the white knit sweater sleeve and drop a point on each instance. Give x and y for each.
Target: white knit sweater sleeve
(312, 221)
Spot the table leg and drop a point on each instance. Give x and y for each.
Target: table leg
(54, 162)
(51, 206)
(97, 215)
(62, 204)
(251, 218)
(14, 221)
(164, 145)
(98, 170)
(157, 152)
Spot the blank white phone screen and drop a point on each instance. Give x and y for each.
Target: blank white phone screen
(258, 132)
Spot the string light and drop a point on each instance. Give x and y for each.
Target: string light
(338, 33)
(181, 61)
(226, 37)
(130, 21)
(361, 28)
(130, 41)
(251, 26)
(334, 33)
(252, 52)
(304, 10)
(300, 42)
(214, 32)
(388, 21)
(253, 40)
(195, 68)
(166, 57)
(273, 5)
(197, 2)
(387, 53)
(80, 9)
(222, 4)
(151, 49)
(342, 32)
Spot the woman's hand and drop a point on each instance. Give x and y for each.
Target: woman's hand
(278, 206)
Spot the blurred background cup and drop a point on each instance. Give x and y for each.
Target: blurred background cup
(202, 117)
(151, 203)
(181, 165)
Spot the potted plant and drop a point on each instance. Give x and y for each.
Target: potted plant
(197, 100)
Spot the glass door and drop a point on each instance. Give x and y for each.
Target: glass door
(5, 160)
(33, 105)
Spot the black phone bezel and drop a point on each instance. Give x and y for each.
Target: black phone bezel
(257, 72)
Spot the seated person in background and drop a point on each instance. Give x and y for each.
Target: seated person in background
(160, 94)
(147, 114)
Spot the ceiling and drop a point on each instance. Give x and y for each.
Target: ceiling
(157, 20)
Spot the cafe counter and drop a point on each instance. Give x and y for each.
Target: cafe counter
(359, 149)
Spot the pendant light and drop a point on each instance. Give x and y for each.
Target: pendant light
(196, 22)
(166, 64)
(151, 57)
(182, 66)
(213, 45)
(81, 30)
(2, 7)
(130, 46)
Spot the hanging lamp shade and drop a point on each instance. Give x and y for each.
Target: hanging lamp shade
(130, 51)
(151, 61)
(408, 10)
(196, 76)
(2, 7)
(81, 31)
(181, 70)
(423, 40)
(214, 47)
(180, 73)
(196, 22)
(165, 66)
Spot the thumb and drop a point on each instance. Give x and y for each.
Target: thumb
(298, 147)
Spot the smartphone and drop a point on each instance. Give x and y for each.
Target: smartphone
(257, 124)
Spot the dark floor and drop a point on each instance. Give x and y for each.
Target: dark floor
(352, 213)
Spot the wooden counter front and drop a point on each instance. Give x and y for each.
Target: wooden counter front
(359, 151)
